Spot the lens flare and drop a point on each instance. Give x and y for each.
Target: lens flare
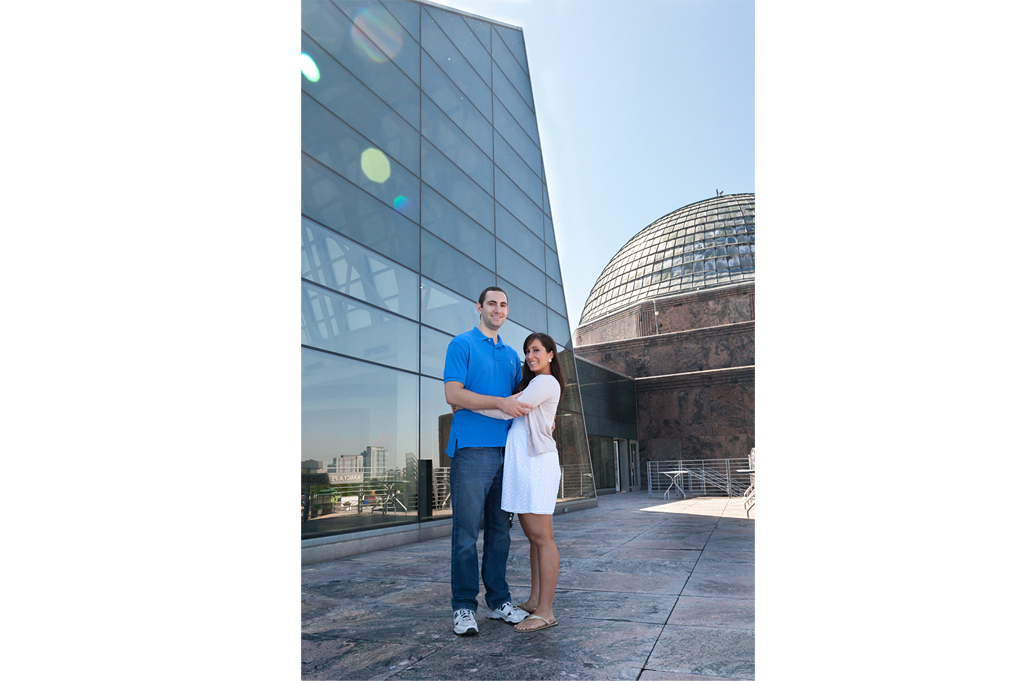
(375, 165)
(377, 34)
(310, 69)
(400, 203)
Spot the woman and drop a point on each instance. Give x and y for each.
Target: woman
(530, 481)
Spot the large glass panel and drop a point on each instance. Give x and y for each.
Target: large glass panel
(520, 141)
(454, 143)
(337, 203)
(482, 29)
(558, 328)
(513, 71)
(435, 426)
(556, 298)
(508, 95)
(571, 440)
(514, 41)
(433, 347)
(513, 335)
(454, 103)
(339, 92)
(333, 322)
(549, 232)
(447, 310)
(519, 238)
(524, 309)
(455, 228)
(339, 147)
(456, 186)
(518, 171)
(343, 265)
(522, 273)
(333, 31)
(464, 39)
(546, 206)
(552, 265)
(358, 432)
(452, 269)
(602, 459)
(408, 14)
(452, 62)
(570, 398)
(380, 37)
(513, 198)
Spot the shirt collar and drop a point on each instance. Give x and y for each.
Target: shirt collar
(481, 336)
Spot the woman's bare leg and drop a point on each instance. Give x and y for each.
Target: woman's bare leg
(530, 605)
(538, 529)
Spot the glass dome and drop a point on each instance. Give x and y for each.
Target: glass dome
(705, 244)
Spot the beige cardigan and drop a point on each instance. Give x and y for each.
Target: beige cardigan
(543, 394)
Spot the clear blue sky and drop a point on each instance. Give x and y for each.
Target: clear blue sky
(643, 106)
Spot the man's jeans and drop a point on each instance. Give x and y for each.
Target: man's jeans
(476, 479)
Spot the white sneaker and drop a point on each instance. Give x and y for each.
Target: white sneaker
(464, 622)
(508, 612)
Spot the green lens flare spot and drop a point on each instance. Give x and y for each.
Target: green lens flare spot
(310, 69)
(375, 165)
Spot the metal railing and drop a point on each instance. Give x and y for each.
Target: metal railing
(705, 477)
(361, 490)
(442, 489)
(577, 482)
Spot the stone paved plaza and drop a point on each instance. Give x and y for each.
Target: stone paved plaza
(648, 589)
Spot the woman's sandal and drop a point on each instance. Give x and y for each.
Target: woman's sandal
(520, 606)
(546, 624)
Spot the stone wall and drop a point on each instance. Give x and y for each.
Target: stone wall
(698, 310)
(702, 415)
(720, 347)
(694, 378)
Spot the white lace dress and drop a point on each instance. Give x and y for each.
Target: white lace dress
(530, 482)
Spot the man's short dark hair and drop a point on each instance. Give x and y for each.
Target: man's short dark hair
(484, 293)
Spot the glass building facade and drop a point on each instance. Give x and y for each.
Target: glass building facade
(422, 184)
(610, 410)
(702, 245)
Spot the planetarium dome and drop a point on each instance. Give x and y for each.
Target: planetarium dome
(700, 246)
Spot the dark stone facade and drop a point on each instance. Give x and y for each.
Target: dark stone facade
(694, 371)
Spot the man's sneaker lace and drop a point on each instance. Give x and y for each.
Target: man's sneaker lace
(508, 612)
(464, 622)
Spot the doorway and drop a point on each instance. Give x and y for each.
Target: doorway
(628, 478)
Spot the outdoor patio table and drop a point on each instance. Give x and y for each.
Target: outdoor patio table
(674, 477)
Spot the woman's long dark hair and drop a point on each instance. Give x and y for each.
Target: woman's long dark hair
(549, 345)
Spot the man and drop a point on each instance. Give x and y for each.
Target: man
(480, 373)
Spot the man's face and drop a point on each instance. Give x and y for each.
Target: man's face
(494, 309)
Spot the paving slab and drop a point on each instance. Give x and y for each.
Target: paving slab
(598, 642)
(570, 605)
(328, 657)
(733, 613)
(711, 651)
(720, 579)
(471, 665)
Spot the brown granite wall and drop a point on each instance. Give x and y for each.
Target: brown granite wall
(700, 310)
(694, 378)
(721, 347)
(617, 326)
(702, 415)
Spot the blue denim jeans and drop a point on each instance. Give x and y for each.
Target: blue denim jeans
(476, 479)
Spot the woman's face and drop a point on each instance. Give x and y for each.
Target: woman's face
(538, 359)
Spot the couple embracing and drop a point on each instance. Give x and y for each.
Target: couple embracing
(500, 468)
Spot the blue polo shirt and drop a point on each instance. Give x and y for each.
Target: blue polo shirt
(486, 368)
